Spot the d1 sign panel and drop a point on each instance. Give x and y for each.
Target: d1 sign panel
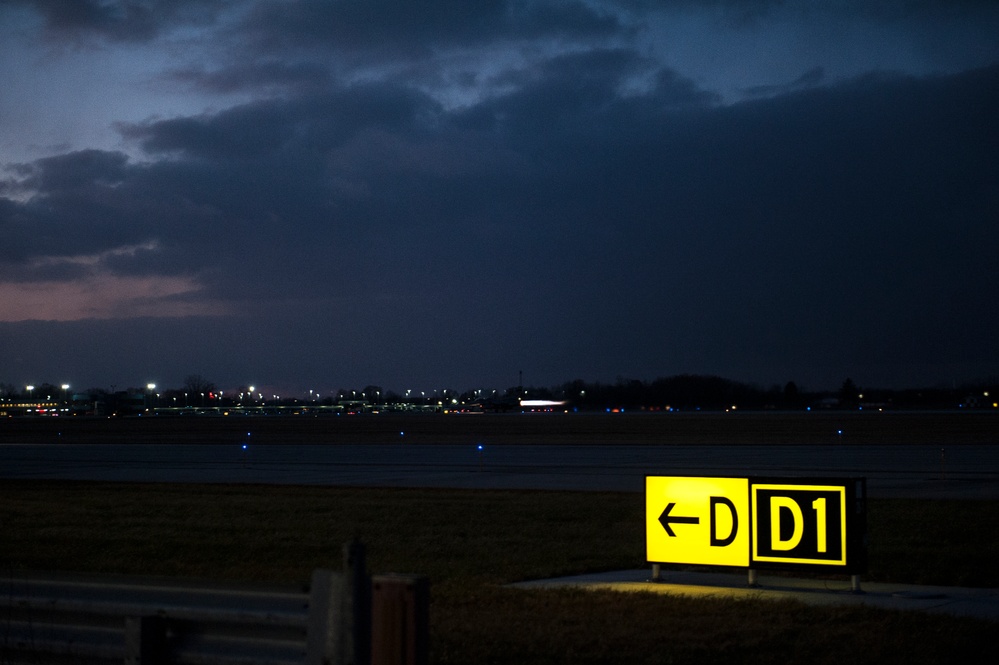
(800, 524)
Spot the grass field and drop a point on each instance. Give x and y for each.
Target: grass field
(471, 543)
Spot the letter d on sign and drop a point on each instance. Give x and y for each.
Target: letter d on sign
(776, 504)
(727, 540)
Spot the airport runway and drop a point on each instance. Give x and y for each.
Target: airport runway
(916, 471)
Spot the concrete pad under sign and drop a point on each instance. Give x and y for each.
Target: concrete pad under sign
(957, 601)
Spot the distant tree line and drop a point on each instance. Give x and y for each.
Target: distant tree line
(693, 391)
(683, 392)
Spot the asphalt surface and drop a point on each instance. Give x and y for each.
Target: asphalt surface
(892, 471)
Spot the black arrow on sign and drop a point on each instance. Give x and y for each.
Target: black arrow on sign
(666, 520)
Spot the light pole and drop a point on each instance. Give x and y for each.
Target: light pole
(65, 388)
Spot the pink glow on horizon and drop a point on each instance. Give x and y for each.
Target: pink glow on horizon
(104, 296)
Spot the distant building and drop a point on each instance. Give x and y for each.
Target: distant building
(29, 408)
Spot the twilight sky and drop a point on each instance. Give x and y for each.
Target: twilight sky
(324, 194)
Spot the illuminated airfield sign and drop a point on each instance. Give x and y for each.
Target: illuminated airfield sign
(756, 522)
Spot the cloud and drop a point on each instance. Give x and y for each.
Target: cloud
(443, 49)
(64, 203)
(263, 128)
(572, 94)
(389, 29)
(809, 79)
(103, 296)
(241, 133)
(520, 171)
(119, 20)
(266, 75)
(73, 170)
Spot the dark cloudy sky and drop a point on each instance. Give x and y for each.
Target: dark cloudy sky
(326, 194)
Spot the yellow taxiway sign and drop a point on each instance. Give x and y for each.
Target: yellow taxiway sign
(697, 520)
(755, 522)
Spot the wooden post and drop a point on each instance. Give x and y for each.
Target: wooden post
(145, 640)
(321, 645)
(400, 620)
(356, 601)
(339, 626)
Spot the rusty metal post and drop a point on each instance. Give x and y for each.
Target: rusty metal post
(400, 620)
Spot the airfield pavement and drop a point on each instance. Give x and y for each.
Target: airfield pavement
(635, 428)
(907, 454)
